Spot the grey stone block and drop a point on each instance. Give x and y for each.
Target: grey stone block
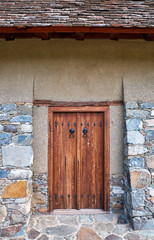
(18, 156)
(136, 162)
(139, 222)
(8, 107)
(5, 135)
(19, 174)
(25, 109)
(22, 118)
(137, 113)
(26, 128)
(134, 124)
(4, 116)
(10, 128)
(138, 198)
(147, 105)
(61, 230)
(24, 140)
(131, 105)
(150, 135)
(135, 137)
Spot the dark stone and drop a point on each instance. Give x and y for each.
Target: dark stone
(150, 135)
(43, 237)
(3, 173)
(32, 234)
(61, 230)
(132, 236)
(113, 237)
(10, 128)
(122, 220)
(10, 231)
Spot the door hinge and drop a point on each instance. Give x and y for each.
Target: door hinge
(50, 125)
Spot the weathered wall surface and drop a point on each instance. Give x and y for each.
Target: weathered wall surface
(76, 70)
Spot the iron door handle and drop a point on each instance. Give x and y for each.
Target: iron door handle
(85, 131)
(72, 131)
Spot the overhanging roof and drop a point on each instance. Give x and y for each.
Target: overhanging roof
(30, 18)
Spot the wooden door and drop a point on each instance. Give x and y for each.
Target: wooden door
(92, 156)
(78, 159)
(65, 182)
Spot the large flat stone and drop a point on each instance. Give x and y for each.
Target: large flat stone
(134, 124)
(86, 219)
(139, 222)
(18, 156)
(87, 233)
(135, 150)
(10, 231)
(68, 219)
(142, 114)
(22, 208)
(138, 198)
(24, 140)
(105, 218)
(135, 137)
(8, 107)
(140, 178)
(22, 118)
(25, 109)
(26, 128)
(19, 174)
(15, 190)
(131, 105)
(60, 230)
(132, 236)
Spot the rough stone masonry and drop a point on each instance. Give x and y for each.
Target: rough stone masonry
(16, 158)
(139, 164)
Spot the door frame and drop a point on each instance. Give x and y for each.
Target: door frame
(106, 167)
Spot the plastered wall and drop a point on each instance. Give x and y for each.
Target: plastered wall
(69, 70)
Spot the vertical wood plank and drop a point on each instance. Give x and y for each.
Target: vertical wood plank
(78, 162)
(106, 161)
(50, 161)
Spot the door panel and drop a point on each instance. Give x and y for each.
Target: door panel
(91, 166)
(64, 173)
(85, 174)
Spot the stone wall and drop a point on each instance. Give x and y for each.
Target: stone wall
(139, 164)
(16, 158)
(40, 192)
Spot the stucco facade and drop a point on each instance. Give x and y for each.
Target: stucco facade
(77, 71)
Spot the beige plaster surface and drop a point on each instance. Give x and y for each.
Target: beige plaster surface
(116, 139)
(40, 123)
(70, 70)
(40, 144)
